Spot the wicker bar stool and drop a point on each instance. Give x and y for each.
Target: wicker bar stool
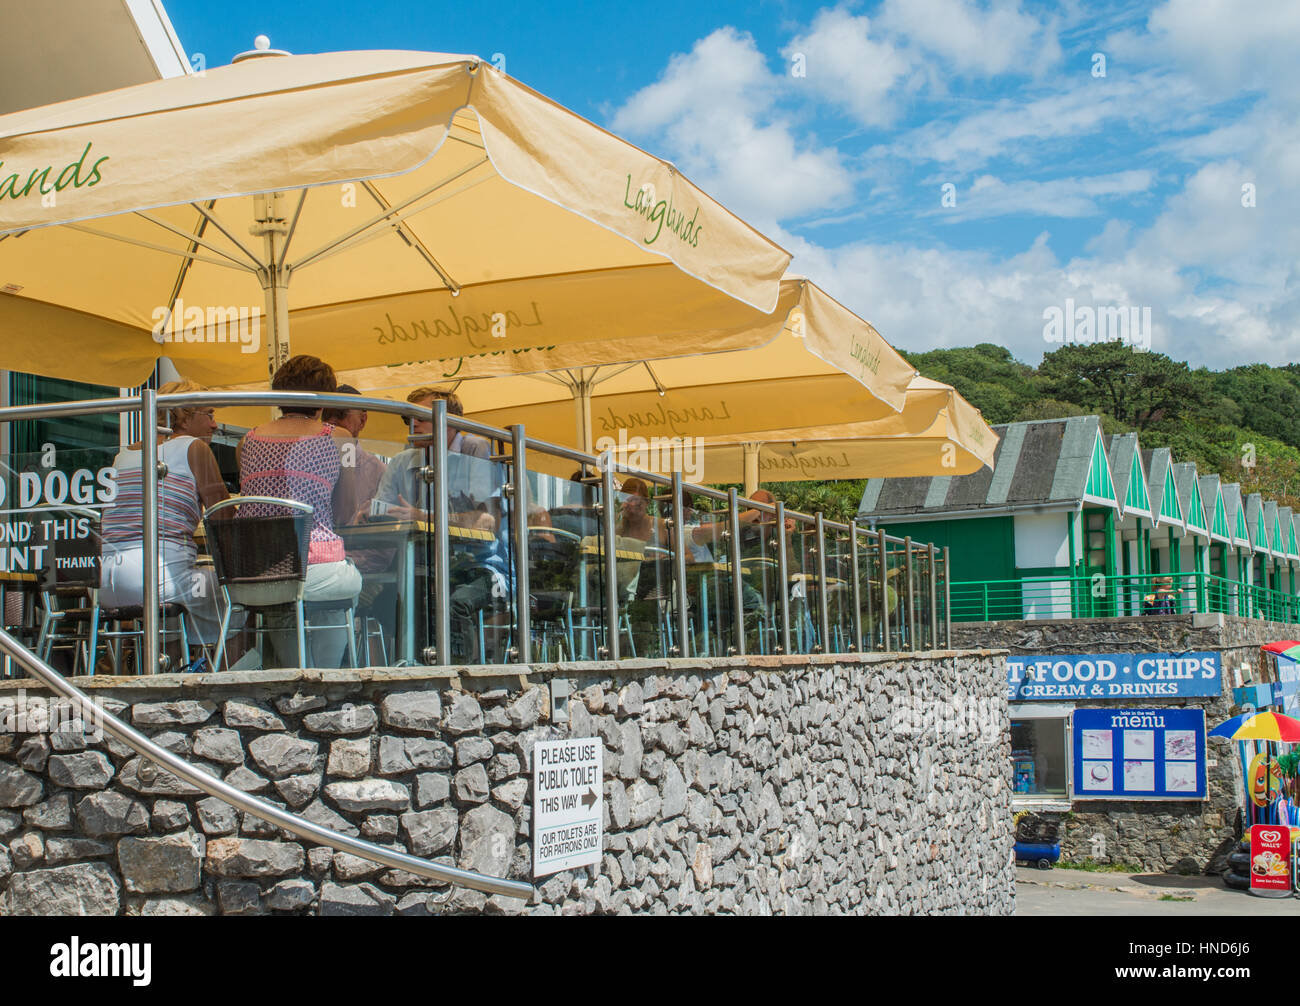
(261, 562)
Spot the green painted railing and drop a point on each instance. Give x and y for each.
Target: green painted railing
(1098, 596)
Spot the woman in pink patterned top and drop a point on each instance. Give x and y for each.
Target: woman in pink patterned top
(297, 457)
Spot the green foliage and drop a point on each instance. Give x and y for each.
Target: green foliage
(1090, 865)
(1139, 389)
(987, 376)
(837, 500)
(1208, 417)
(1267, 399)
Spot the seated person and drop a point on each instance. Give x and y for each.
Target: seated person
(348, 424)
(481, 577)
(649, 585)
(578, 515)
(470, 476)
(482, 586)
(635, 515)
(192, 484)
(539, 517)
(297, 457)
(1163, 600)
(755, 529)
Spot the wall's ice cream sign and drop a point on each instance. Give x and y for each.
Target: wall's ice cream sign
(46, 179)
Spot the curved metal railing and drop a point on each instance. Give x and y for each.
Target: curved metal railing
(254, 805)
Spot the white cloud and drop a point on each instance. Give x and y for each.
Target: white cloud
(1232, 44)
(922, 298)
(989, 196)
(848, 67)
(1221, 279)
(724, 73)
(973, 39)
(712, 112)
(1014, 126)
(1248, 251)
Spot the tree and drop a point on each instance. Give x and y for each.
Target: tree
(1265, 399)
(987, 376)
(1139, 389)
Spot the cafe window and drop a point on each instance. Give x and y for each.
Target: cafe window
(1040, 756)
(97, 431)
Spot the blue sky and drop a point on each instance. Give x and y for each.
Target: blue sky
(838, 129)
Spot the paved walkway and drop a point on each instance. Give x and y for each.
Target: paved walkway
(1078, 892)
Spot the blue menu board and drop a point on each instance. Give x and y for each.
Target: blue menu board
(1139, 754)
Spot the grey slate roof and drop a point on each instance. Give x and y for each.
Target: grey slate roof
(1035, 463)
(1270, 522)
(1286, 518)
(1157, 464)
(1119, 452)
(1184, 477)
(1231, 504)
(1254, 504)
(1209, 493)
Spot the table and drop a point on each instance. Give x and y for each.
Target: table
(403, 535)
(592, 547)
(705, 570)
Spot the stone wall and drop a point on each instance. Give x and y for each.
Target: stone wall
(1190, 836)
(747, 786)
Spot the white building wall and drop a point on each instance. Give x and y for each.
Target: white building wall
(1041, 542)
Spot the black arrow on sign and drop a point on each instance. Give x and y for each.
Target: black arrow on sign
(589, 799)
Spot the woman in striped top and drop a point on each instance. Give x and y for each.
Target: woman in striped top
(297, 457)
(192, 484)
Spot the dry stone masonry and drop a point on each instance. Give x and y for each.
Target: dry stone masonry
(741, 786)
(1179, 836)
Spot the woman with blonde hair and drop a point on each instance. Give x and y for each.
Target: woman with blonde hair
(198, 422)
(192, 483)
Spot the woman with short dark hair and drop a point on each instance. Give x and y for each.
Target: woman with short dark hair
(297, 457)
(304, 373)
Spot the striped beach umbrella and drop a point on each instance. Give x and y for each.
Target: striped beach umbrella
(1259, 727)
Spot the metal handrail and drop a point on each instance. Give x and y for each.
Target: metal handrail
(1004, 600)
(149, 403)
(247, 802)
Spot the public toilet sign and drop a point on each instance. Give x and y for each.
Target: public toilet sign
(1112, 676)
(568, 808)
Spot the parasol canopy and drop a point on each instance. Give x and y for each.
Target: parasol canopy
(1259, 727)
(379, 207)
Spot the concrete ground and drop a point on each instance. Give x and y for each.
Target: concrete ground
(1077, 892)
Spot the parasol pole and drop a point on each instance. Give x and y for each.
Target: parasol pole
(273, 228)
(581, 390)
(751, 449)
